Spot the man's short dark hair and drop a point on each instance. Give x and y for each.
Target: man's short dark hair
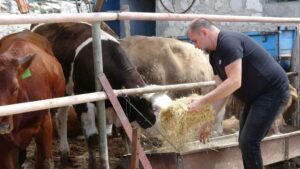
(200, 23)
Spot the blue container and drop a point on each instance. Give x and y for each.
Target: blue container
(279, 44)
(287, 37)
(112, 6)
(268, 40)
(146, 28)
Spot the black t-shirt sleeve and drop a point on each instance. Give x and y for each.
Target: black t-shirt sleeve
(213, 65)
(231, 49)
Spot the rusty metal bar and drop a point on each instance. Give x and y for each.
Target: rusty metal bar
(292, 73)
(122, 117)
(135, 147)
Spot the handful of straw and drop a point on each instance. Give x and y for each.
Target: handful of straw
(179, 126)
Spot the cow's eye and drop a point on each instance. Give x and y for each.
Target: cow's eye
(15, 91)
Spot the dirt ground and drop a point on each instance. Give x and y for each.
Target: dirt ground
(79, 155)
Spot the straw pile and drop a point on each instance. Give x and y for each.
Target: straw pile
(180, 127)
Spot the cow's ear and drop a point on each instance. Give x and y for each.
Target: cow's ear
(24, 62)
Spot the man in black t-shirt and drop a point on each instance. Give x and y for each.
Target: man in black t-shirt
(246, 70)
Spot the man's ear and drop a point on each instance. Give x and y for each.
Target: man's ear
(203, 31)
(23, 62)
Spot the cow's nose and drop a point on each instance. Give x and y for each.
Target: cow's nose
(156, 111)
(5, 128)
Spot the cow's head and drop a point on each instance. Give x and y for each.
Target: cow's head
(11, 72)
(138, 109)
(145, 109)
(159, 101)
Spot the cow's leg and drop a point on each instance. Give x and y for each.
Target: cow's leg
(219, 107)
(9, 155)
(88, 121)
(89, 129)
(218, 129)
(22, 156)
(275, 126)
(61, 119)
(126, 141)
(110, 118)
(44, 144)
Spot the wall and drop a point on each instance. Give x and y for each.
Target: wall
(226, 7)
(10, 7)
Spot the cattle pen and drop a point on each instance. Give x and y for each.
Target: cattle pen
(223, 151)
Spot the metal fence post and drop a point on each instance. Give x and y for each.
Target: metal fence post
(98, 69)
(135, 143)
(297, 55)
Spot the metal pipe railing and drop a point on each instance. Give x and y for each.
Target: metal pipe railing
(105, 16)
(91, 97)
(56, 18)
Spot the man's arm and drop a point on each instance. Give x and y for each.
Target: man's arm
(226, 88)
(219, 104)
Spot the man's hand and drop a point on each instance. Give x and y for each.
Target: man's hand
(205, 132)
(196, 105)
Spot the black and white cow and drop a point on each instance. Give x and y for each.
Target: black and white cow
(72, 45)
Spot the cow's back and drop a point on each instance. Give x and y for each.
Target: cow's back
(27, 36)
(167, 61)
(65, 38)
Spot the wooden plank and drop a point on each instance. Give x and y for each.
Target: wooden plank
(22, 6)
(135, 147)
(98, 5)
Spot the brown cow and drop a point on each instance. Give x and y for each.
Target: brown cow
(28, 72)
